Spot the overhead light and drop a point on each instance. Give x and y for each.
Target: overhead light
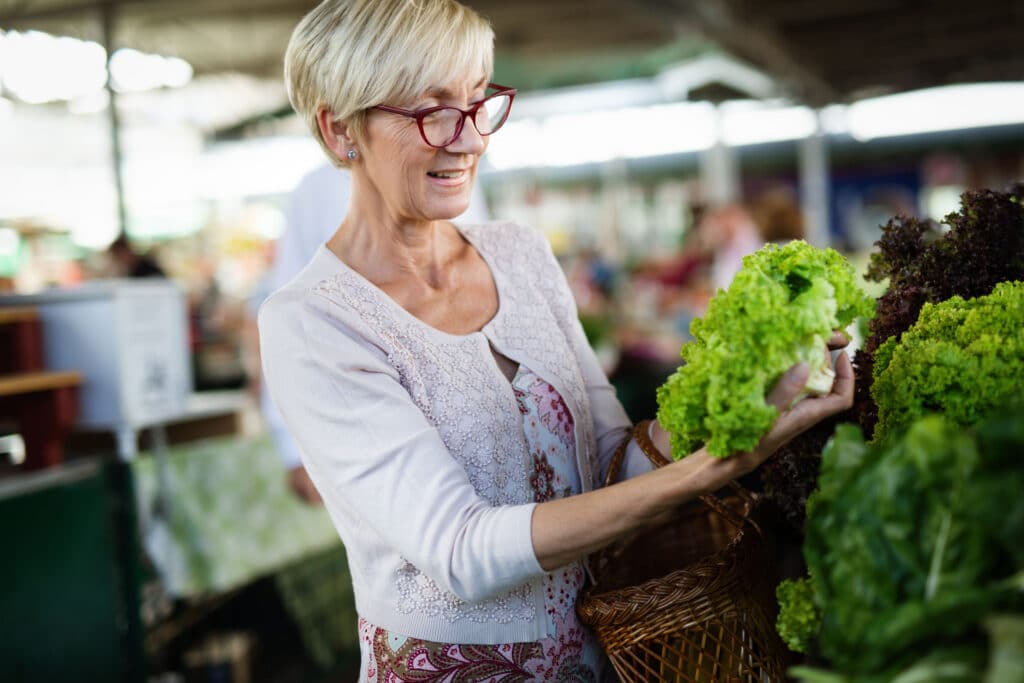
(41, 68)
(595, 137)
(91, 103)
(750, 122)
(835, 119)
(134, 71)
(937, 109)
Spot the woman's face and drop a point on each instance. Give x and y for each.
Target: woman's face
(414, 180)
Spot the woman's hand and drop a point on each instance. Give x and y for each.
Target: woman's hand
(838, 340)
(798, 418)
(712, 473)
(791, 422)
(801, 416)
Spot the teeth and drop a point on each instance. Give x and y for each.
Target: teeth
(442, 174)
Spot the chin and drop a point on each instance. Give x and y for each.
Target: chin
(442, 211)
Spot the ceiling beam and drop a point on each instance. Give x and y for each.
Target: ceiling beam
(606, 40)
(26, 12)
(900, 28)
(797, 12)
(992, 49)
(760, 43)
(591, 24)
(223, 9)
(756, 42)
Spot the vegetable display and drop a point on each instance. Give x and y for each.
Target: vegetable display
(911, 544)
(983, 246)
(913, 540)
(780, 309)
(923, 262)
(963, 358)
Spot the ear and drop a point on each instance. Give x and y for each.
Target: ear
(335, 133)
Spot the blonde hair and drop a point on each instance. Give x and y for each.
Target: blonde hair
(346, 56)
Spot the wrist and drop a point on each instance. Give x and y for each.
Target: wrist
(708, 474)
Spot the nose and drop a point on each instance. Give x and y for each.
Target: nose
(469, 140)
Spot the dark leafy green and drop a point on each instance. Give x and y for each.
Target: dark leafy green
(911, 544)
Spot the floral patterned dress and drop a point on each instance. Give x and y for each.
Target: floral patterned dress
(570, 652)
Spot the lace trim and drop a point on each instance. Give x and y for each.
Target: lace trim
(419, 594)
(539, 304)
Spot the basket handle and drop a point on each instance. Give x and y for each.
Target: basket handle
(640, 433)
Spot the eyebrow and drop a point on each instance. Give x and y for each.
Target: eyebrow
(445, 92)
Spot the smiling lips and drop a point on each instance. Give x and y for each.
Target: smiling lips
(449, 177)
(446, 174)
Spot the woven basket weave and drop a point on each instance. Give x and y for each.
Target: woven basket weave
(690, 600)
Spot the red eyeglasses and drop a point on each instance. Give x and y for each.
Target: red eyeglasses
(441, 126)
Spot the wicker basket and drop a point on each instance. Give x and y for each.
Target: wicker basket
(690, 600)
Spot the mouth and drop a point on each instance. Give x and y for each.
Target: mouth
(447, 175)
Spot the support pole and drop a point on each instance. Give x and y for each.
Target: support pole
(719, 170)
(814, 185)
(109, 15)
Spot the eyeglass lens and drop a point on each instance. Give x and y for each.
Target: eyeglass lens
(440, 127)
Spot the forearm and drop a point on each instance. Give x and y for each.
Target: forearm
(568, 529)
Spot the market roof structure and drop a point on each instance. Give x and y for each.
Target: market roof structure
(819, 52)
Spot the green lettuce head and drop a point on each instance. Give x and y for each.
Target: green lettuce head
(962, 358)
(780, 310)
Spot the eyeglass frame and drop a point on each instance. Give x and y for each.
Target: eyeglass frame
(420, 114)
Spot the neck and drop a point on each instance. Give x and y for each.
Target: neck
(386, 248)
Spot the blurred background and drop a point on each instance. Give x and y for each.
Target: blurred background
(148, 525)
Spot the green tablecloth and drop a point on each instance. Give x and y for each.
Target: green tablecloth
(228, 517)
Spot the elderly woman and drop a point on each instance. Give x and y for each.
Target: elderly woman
(447, 405)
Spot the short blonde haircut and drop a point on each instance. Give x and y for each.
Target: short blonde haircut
(346, 56)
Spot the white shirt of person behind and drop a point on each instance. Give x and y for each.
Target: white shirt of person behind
(315, 209)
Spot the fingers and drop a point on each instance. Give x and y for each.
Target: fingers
(810, 411)
(838, 340)
(841, 397)
(844, 383)
(789, 386)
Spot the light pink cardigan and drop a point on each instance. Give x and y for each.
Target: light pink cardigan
(414, 440)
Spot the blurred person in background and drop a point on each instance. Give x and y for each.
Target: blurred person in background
(316, 207)
(436, 377)
(778, 216)
(728, 233)
(127, 262)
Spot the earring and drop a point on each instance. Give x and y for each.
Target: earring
(352, 154)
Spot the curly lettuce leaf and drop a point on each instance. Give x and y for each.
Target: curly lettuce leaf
(799, 617)
(983, 246)
(962, 358)
(780, 309)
